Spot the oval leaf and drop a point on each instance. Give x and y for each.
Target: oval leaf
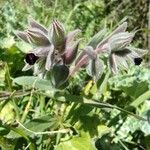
(59, 75)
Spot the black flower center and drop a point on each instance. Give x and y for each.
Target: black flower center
(137, 61)
(31, 58)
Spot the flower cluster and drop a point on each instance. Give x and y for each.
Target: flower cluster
(54, 51)
(51, 47)
(116, 45)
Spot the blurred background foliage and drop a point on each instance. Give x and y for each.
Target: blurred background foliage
(123, 90)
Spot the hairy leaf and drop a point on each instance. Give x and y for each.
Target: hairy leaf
(59, 75)
(95, 69)
(97, 38)
(35, 82)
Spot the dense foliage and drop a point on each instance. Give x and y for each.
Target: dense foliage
(87, 92)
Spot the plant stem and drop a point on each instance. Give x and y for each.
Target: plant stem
(7, 95)
(71, 13)
(27, 108)
(46, 132)
(42, 105)
(8, 78)
(55, 7)
(97, 104)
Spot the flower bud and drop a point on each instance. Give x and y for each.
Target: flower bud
(71, 53)
(37, 37)
(119, 41)
(57, 34)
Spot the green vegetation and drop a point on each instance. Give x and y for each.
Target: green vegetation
(86, 90)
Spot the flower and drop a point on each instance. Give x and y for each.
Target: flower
(65, 51)
(52, 45)
(65, 45)
(116, 45)
(52, 49)
(37, 35)
(137, 61)
(121, 53)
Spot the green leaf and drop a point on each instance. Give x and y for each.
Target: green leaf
(7, 42)
(78, 112)
(23, 46)
(104, 85)
(145, 127)
(95, 69)
(35, 82)
(134, 83)
(89, 123)
(141, 88)
(141, 99)
(16, 133)
(148, 116)
(106, 143)
(6, 144)
(36, 125)
(96, 39)
(147, 139)
(42, 123)
(92, 103)
(59, 75)
(8, 114)
(82, 142)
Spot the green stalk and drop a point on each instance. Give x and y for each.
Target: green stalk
(42, 104)
(8, 78)
(71, 13)
(27, 108)
(55, 7)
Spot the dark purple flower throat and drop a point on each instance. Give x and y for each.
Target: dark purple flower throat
(31, 58)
